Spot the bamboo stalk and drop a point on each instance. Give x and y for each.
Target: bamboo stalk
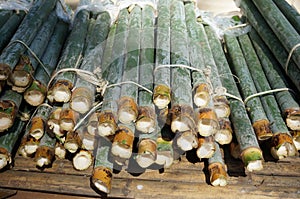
(147, 151)
(201, 88)
(53, 123)
(68, 118)
(207, 121)
(224, 133)
(113, 64)
(288, 105)
(8, 141)
(103, 167)
(165, 152)
(128, 111)
(269, 102)
(92, 125)
(73, 141)
(257, 113)
(260, 25)
(60, 89)
(4, 15)
(38, 121)
(84, 94)
(290, 13)
(36, 93)
(284, 31)
(9, 28)
(162, 84)
(217, 168)
(45, 153)
(26, 33)
(22, 75)
(60, 151)
(220, 103)
(251, 154)
(146, 120)
(88, 141)
(206, 147)
(182, 100)
(82, 160)
(123, 142)
(10, 102)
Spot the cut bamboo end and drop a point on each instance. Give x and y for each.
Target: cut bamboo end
(92, 126)
(31, 146)
(81, 100)
(262, 129)
(60, 151)
(164, 153)
(206, 147)
(60, 92)
(68, 118)
(54, 128)
(218, 174)
(161, 96)
(201, 95)
(164, 158)
(283, 146)
(296, 139)
(101, 178)
(182, 118)
(88, 141)
(221, 106)
(73, 142)
(123, 143)
(5, 122)
(37, 128)
(146, 153)
(5, 158)
(128, 110)
(44, 156)
(20, 78)
(107, 124)
(207, 121)
(252, 158)
(5, 71)
(82, 160)
(187, 140)
(53, 123)
(293, 120)
(145, 122)
(224, 134)
(34, 97)
(35, 94)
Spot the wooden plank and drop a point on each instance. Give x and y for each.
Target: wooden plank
(59, 167)
(244, 187)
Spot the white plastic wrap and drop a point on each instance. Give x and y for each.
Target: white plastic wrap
(228, 23)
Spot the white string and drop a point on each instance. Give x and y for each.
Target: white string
(289, 57)
(85, 75)
(87, 115)
(33, 54)
(245, 101)
(264, 93)
(129, 82)
(176, 65)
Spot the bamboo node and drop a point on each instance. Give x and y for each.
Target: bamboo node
(289, 57)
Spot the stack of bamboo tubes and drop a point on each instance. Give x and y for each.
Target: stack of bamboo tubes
(139, 91)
